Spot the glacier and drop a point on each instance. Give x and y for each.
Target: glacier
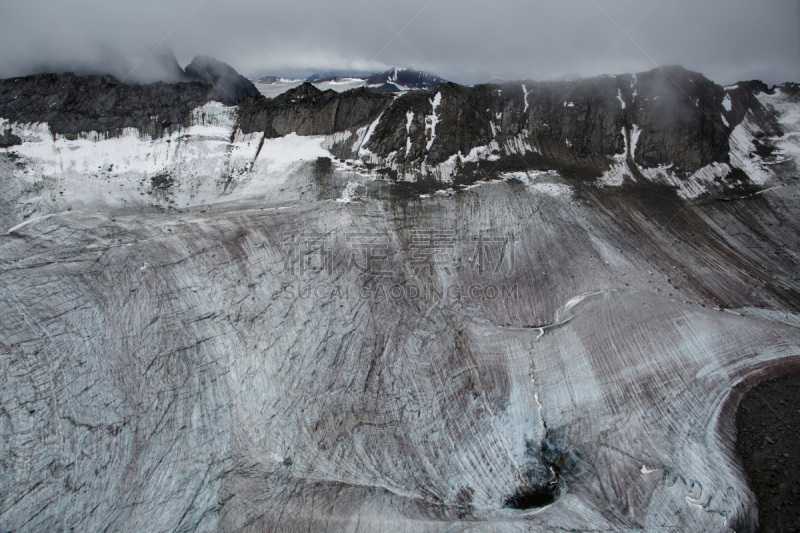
(216, 329)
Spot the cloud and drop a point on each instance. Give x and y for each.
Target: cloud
(463, 40)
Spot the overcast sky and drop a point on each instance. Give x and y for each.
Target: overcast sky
(462, 40)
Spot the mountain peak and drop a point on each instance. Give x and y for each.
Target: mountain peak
(229, 84)
(405, 79)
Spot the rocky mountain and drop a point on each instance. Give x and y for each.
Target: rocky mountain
(229, 84)
(521, 307)
(401, 79)
(73, 105)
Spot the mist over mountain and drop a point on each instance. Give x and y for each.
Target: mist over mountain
(467, 42)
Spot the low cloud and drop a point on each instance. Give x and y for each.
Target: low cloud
(463, 40)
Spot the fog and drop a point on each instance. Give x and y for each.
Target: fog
(464, 40)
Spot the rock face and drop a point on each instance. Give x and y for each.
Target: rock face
(71, 104)
(306, 110)
(527, 307)
(577, 124)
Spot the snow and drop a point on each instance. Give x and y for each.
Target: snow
(362, 150)
(525, 91)
(645, 470)
(341, 85)
(519, 144)
(92, 152)
(619, 171)
(789, 118)
(409, 120)
(742, 152)
(282, 153)
(570, 104)
(619, 97)
(726, 103)
(701, 181)
(349, 192)
(201, 162)
(616, 175)
(636, 132)
(724, 120)
(432, 120)
(532, 180)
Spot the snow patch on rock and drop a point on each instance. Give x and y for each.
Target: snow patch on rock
(533, 180)
(726, 103)
(432, 120)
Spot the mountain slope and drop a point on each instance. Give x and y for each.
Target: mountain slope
(518, 307)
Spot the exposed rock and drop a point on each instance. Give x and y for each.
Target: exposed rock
(306, 110)
(578, 125)
(8, 139)
(71, 105)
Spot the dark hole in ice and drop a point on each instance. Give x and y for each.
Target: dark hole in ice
(531, 498)
(161, 181)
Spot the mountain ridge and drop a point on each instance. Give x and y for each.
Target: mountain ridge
(672, 119)
(528, 306)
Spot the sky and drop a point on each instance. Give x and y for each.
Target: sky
(466, 41)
